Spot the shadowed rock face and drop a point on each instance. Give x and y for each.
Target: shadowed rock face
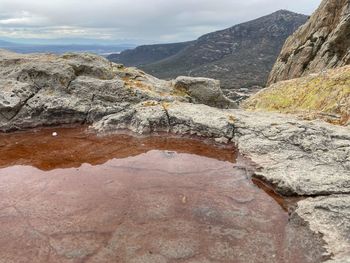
(322, 43)
(83, 198)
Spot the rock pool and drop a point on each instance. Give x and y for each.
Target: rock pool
(78, 197)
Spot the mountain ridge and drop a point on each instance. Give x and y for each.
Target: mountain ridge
(240, 56)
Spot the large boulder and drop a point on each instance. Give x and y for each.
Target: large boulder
(322, 43)
(204, 91)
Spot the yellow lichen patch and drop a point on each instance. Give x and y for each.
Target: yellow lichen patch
(231, 119)
(165, 105)
(325, 95)
(150, 103)
(141, 85)
(179, 91)
(133, 83)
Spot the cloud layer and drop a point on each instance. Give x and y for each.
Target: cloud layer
(138, 21)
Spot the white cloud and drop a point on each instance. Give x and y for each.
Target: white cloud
(23, 18)
(139, 20)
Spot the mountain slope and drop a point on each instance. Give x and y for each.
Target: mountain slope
(240, 57)
(325, 95)
(311, 76)
(147, 54)
(322, 43)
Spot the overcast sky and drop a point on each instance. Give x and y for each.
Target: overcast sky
(133, 21)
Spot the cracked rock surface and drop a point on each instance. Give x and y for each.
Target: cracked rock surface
(330, 216)
(45, 89)
(297, 157)
(307, 158)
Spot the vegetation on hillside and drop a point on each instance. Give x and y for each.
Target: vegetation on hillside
(325, 95)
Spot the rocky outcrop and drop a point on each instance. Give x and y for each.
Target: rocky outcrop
(324, 95)
(47, 89)
(297, 157)
(322, 43)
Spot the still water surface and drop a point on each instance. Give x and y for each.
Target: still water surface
(78, 197)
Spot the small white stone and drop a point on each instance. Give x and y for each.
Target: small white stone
(54, 134)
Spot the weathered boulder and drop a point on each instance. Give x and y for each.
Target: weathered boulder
(45, 89)
(322, 43)
(204, 91)
(89, 65)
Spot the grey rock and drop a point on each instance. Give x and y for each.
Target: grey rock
(177, 117)
(297, 157)
(13, 96)
(89, 65)
(340, 260)
(45, 89)
(322, 43)
(200, 120)
(204, 91)
(330, 217)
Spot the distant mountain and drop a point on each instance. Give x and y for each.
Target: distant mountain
(240, 56)
(4, 43)
(147, 54)
(62, 48)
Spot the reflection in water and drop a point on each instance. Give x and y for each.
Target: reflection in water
(82, 198)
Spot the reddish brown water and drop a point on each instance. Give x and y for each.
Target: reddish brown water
(82, 198)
